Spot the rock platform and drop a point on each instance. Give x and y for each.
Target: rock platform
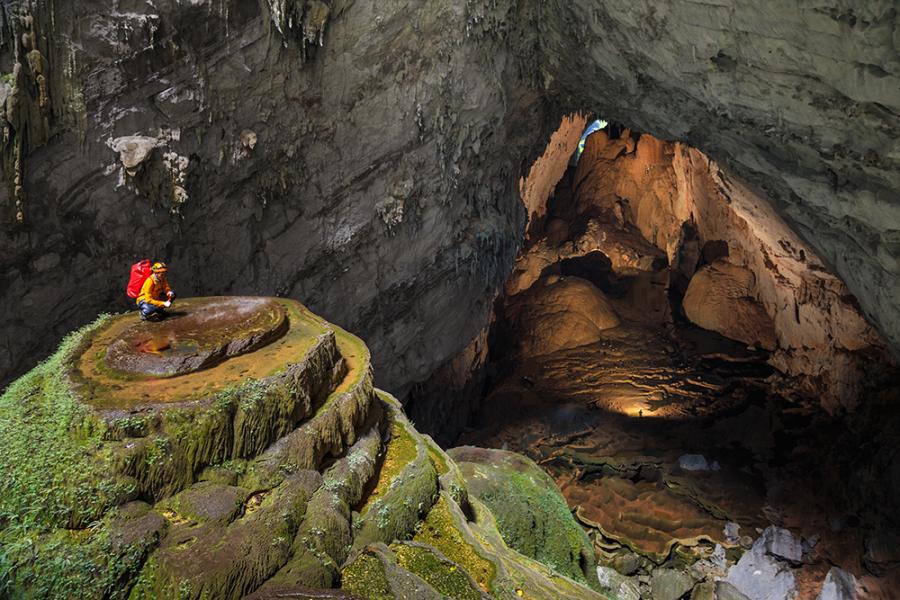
(240, 449)
(197, 334)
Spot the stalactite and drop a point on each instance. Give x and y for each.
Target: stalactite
(305, 19)
(26, 109)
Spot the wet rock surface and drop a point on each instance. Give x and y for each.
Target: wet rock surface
(196, 335)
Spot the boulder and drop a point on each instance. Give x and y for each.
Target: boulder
(532, 516)
(760, 576)
(838, 585)
(670, 584)
(617, 585)
(693, 462)
(720, 297)
(726, 591)
(783, 544)
(558, 314)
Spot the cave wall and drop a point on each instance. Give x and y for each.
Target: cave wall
(801, 100)
(373, 177)
(548, 169)
(686, 205)
(822, 338)
(365, 158)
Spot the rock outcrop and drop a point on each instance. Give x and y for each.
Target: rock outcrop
(720, 297)
(278, 471)
(560, 313)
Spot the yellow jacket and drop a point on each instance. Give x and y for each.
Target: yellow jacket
(151, 291)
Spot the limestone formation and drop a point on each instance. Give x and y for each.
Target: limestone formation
(531, 515)
(206, 333)
(347, 98)
(561, 313)
(720, 298)
(646, 204)
(275, 470)
(133, 151)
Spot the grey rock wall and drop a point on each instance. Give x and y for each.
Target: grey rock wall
(374, 176)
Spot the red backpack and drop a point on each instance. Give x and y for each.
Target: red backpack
(140, 271)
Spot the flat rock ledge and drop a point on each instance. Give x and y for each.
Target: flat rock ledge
(198, 334)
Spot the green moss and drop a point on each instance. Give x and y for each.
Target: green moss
(69, 564)
(444, 576)
(401, 450)
(437, 458)
(440, 531)
(55, 474)
(406, 496)
(131, 426)
(366, 578)
(532, 516)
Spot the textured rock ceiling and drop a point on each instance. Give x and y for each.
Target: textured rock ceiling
(376, 177)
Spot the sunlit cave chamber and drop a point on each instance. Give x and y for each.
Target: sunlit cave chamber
(687, 369)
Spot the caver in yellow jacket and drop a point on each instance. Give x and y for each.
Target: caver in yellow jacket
(153, 290)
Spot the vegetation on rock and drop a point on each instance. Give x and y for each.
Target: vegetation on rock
(238, 479)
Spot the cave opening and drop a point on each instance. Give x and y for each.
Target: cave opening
(684, 366)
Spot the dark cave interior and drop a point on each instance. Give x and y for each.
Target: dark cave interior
(669, 408)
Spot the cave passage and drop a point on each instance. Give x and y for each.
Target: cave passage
(655, 350)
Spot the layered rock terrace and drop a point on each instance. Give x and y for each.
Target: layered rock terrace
(275, 470)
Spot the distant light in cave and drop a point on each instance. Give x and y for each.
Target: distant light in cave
(592, 128)
(636, 408)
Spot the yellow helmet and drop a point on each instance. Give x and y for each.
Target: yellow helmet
(159, 267)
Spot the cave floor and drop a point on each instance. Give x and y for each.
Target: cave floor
(663, 438)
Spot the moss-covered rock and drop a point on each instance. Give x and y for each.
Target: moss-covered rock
(275, 472)
(376, 575)
(533, 517)
(407, 484)
(439, 572)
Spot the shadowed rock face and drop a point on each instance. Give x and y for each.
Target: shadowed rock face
(380, 188)
(197, 334)
(375, 176)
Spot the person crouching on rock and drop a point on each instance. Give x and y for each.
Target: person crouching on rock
(156, 295)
